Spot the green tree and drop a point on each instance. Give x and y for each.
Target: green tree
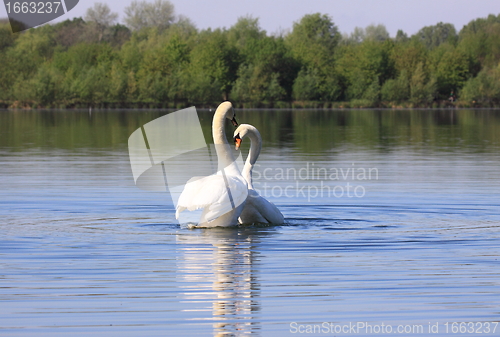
(450, 68)
(91, 85)
(132, 54)
(313, 40)
(70, 32)
(422, 88)
(242, 90)
(31, 49)
(372, 93)
(245, 35)
(47, 86)
(483, 89)
(118, 83)
(360, 65)
(213, 63)
(165, 57)
(159, 77)
(434, 36)
(396, 90)
(480, 41)
(166, 60)
(306, 86)
(118, 35)
(7, 38)
(83, 55)
(406, 56)
(401, 36)
(266, 65)
(275, 91)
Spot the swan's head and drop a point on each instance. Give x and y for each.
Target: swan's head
(241, 132)
(237, 142)
(227, 109)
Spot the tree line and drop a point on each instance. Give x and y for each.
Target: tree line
(159, 59)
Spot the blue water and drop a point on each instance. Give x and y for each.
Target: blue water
(415, 247)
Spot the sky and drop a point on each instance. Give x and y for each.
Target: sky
(279, 15)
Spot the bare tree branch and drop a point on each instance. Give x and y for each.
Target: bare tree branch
(142, 14)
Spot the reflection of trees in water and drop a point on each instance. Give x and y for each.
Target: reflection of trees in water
(225, 257)
(305, 130)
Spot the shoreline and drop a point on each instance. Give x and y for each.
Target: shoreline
(246, 106)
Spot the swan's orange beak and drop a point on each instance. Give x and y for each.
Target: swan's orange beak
(235, 123)
(237, 142)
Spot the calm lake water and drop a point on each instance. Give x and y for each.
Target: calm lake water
(392, 221)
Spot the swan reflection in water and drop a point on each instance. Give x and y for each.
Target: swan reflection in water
(218, 265)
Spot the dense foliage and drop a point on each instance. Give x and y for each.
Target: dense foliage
(95, 62)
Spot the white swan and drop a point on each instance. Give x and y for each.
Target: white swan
(222, 195)
(257, 209)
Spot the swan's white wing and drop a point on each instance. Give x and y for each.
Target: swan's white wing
(230, 196)
(186, 199)
(250, 213)
(212, 194)
(259, 210)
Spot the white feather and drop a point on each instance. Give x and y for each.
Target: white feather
(213, 195)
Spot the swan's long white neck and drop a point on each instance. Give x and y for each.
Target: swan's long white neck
(225, 156)
(255, 147)
(218, 132)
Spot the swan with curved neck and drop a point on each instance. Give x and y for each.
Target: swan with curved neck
(257, 209)
(222, 196)
(225, 157)
(247, 130)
